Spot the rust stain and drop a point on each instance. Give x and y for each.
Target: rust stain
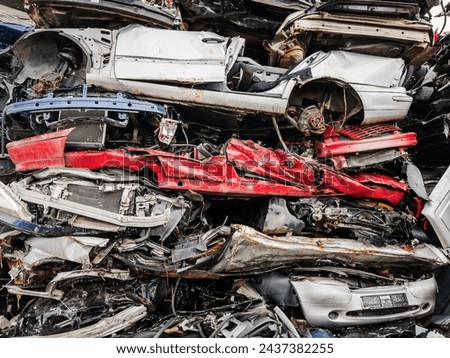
(212, 251)
(198, 97)
(320, 244)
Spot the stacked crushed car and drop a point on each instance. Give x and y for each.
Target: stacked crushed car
(254, 168)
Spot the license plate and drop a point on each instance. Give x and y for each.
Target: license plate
(385, 301)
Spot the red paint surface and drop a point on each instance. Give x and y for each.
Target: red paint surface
(246, 169)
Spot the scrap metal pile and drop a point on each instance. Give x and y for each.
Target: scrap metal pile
(232, 168)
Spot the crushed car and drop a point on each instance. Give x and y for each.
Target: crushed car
(271, 179)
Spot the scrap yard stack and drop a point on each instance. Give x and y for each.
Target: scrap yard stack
(241, 168)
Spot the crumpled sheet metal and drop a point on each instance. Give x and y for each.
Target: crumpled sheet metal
(10, 204)
(182, 267)
(280, 174)
(324, 25)
(53, 293)
(72, 248)
(250, 251)
(107, 326)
